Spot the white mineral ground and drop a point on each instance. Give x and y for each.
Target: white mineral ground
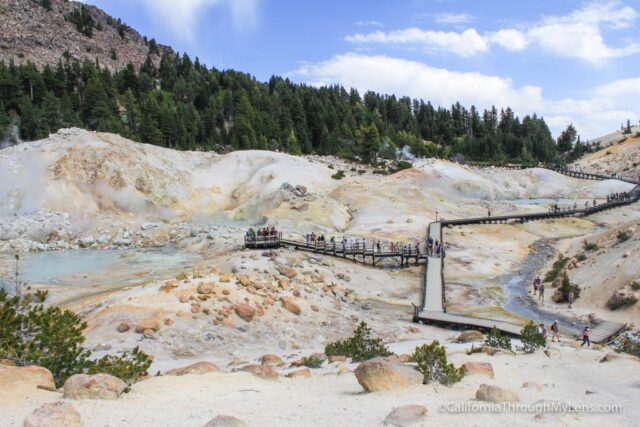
(100, 191)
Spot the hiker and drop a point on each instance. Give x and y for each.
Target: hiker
(393, 247)
(541, 293)
(378, 247)
(571, 297)
(536, 285)
(575, 206)
(585, 337)
(489, 213)
(594, 203)
(554, 331)
(542, 330)
(344, 246)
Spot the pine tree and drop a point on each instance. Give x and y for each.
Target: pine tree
(566, 139)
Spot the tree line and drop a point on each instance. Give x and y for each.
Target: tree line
(184, 105)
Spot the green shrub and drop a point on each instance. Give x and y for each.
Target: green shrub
(581, 257)
(312, 362)
(622, 236)
(432, 363)
(558, 265)
(52, 338)
(41, 295)
(628, 342)
(330, 166)
(402, 165)
(474, 350)
(361, 346)
(590, 246)
(338, 175)
(531, 337)
(495, 339)
(567, 287)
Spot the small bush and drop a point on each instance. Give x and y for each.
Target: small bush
(361, 346)
(41, 295)
(330, 166)
(338, 175)
(532, 339)
(619, 300)
(581, 257)
(474, 350)
(628, 342)
(590, 247)
(495, 339)
(402, 165)
(312, 362)
(567, 287)
(130, 367)
(622, 236)
(432, 363)
(558, 265)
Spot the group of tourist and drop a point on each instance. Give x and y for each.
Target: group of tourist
(357, 244)
(262, 234)
(434, 248)
(618, 197)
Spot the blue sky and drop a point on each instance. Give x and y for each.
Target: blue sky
(568, 60)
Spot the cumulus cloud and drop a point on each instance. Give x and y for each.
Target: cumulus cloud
(577, 35)
(593, 115)
(182, 16)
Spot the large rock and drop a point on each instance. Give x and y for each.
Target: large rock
(34, 375)
(99, 386)
(225, 421)
(290, 306)
(287, 271)
(495, 394)
(265, 372)
(300, 373)
(406, 416)
(146, 324)
(380, 374)
(245, 311)
(206, 288)
(86, 241)
(56, 414)
(478, 368)
(271, 359)
(123, 327)
(197, 368)
(469, 336)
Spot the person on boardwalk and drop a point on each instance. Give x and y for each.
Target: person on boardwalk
(585, 337)
(541, 293)
(489, 213)
(555, 329)
(378, 247)
(571, 297)
(344, 246)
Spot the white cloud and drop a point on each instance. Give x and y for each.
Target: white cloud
(594, 115)
(453, 18)
(182, 16)
(466, 43)
(370, 23)
(577, 35)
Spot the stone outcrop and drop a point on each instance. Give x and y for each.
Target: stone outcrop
(99, 386)
(469, 336)
(300, 373)
(271, 359)
(478, 368)
(197, 368)
(56, 414)
(290, 306)
(35, 375)
(265, 372)
(380, 374)
(245, 311)
(405, 416)
(147, 324)
(495, 394)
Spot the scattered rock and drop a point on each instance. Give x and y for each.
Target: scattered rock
(287, 271)
(469, 336)
(495, 394)
(314, 307)
(56, 414)
(532, 385)
(145, 324)
(225, 421)
(206, 288)
(271, 359)
(36, 375)
(123, 327)
(300, 373)
(99, 386)
(184, 297)
(337, 358)
(224, 278)
(478, 368)
(265, 372)
(245, 311)
(197, 368)
(291, 306)
(380, 374)
(405, 416)
(493, 351)
(86, 241)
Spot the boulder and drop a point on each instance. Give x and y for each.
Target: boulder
(271, 359)
(493, 351)
(558, 296)
(405, 416)
(206, 288)
(224, 278)
(99, 386)
(35, 375)
(197, 368)
(286, 271)
(56, 414)
(337, 358)
(265, 372)
(123, 327)
(245, 311)
(478, 368)
(290, 306)
(300, 373)
(380, 374)
(86, 241)
(184, 297)
(225, 421)
(145, 324)
(495, 394)
(470, 336)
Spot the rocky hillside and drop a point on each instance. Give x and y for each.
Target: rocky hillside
(43, 31)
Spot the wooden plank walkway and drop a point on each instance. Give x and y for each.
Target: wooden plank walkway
(457, 321)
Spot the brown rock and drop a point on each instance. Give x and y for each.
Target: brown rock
(379, 374)
(195, 308)
(470, 336)
(147, 324)
(34, 375)
(206, 288)
(171, 283)
(300, 373)
(245, 281)
(197, 368)
(286, 271)
(225, 292)
(168, 321)
(495, 394)
(337, 358)
(530, 384)
(99, 386)
(182, 276)
(225, 421)
(184, 297)
(123, 327)
(493, 351)
(227, 322)
(314, 307)
(284, 283)
(271, 359)
(291, 306)
(245, 311)
(56, 414)
(478, 368)
(224, 278)
(265, 372)
(406, 416)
